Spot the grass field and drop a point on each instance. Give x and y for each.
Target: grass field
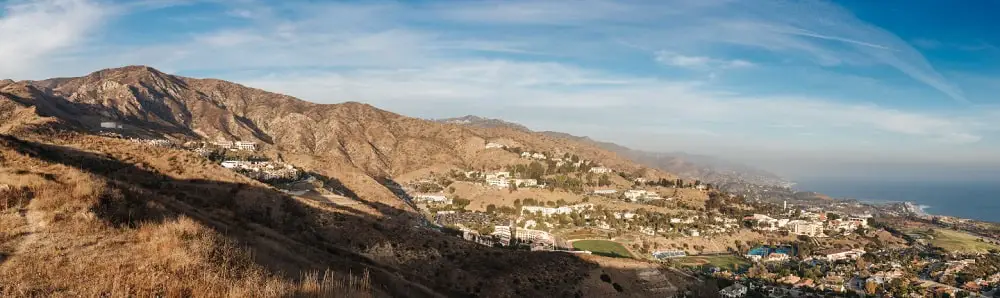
(603, 248)
(949, 240)
(725, 262)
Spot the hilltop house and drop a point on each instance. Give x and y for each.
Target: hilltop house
(600, 170)
(498, 179)
(246, 146)
(538, 156)
(605, 191)
(492, 145)
(638, 194)
(525, 182)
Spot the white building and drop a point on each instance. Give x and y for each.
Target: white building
(733, 291)
(600, 170)
(547, 211)
(224, 144)
(247, 146)
(605, 191)
(694, 233)
(498, 179)
(498, 182)
(801, 227)
(702, 187)
(429, 198)
(494, 145)
(527, 235)
(525, 182)
(638, 194)
(526, 154)
(234, 164)
(538, 156)
(840, 254)
(111, 125)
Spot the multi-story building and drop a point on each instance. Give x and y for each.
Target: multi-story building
(247, 146)
(807, 228)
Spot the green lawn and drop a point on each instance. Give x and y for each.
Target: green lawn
(603, 248)
(724, 262)
(950, 240)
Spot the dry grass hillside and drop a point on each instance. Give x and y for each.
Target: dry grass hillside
(83, 215)
(91, 216)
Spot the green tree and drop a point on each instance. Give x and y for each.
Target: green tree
(491, 208)
(604, 180)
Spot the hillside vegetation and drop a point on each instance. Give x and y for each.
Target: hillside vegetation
(87, 215)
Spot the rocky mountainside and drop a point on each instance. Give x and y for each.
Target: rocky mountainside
(476, 121)
(78, 210)
(360, 144)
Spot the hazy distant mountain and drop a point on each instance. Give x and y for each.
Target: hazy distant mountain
(476, 121)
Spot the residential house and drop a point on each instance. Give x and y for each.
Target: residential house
(498, 179)
(605, 191)
(525, 182)
(224, 144)
(635, 194)
(600, 170)
(733, 291)
(492, 145)
(433, 198)
(538, 156)
(246, 146)
(840, 254)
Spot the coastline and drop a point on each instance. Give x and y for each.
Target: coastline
(966, 200)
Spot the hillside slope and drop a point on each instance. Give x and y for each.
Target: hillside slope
(85, 215)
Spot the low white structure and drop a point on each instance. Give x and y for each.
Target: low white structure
(111, 125)
(432, 198)
(605, 191)
(525, 182)
(560, 210)
(224, 144)
(840, 254)
(494, 146)
(538, 156)
(600, 170)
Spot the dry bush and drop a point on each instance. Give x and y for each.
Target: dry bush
(14, 197)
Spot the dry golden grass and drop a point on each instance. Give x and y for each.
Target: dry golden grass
(53, 244)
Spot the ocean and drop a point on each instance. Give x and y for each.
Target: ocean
(976, 200)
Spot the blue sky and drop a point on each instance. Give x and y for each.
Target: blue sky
(803, 88)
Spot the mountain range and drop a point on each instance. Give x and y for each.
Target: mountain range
(79, 209)
(688, 166)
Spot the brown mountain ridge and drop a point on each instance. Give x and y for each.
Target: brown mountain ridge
(78, 210)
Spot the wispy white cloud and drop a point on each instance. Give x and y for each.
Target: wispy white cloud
(699, 62)
(31, 31)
